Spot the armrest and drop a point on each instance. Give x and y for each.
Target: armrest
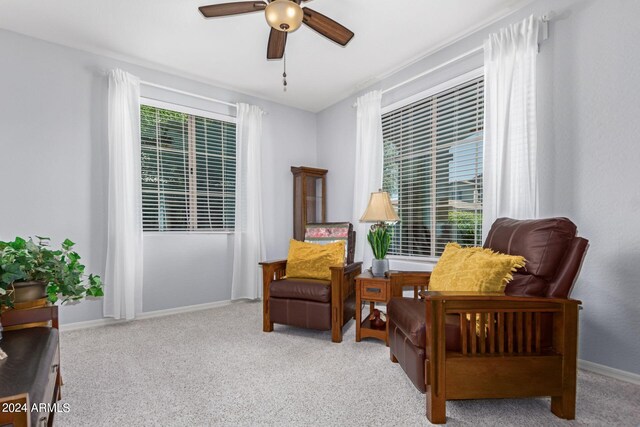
(409, 273)
(273, 262)
(342, 288)
(490, 296)
(349, 268)
(271, 270)
(496, 323)
(418, 280)
(343, 280)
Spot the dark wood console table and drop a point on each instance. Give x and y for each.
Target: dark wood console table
(30, 375)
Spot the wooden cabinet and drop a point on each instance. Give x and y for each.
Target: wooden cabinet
(309, 198)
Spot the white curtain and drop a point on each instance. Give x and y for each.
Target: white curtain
(248, 248)
(510, 134)
(368, 168)
(123, 275)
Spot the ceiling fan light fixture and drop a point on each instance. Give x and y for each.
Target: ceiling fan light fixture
(284, 15)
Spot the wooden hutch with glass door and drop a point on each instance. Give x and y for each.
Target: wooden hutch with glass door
(309, 198)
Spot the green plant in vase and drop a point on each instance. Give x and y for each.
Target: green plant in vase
(30, 270)
(379, 238)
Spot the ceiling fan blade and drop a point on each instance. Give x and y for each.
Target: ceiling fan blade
(327, 26)
(277, 42)
(235, 8)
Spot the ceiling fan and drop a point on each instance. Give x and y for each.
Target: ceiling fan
(284, 16)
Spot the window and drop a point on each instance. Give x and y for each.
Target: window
(433, 168)
(188, 169)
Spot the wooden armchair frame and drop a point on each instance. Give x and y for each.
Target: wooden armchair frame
(418, 280)
(506, 359)
(342, 287)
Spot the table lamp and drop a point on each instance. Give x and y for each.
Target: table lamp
(380, 211)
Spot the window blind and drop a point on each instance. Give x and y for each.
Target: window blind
(433, 170)
(188, 171)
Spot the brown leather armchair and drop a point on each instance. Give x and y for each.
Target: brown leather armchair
(526, 343)
(308, 303)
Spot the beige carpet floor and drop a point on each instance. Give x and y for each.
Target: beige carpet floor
(217, 367)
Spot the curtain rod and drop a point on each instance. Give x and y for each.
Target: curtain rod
(545, 35)
(430, 70)
(182, 92)
(436, 68)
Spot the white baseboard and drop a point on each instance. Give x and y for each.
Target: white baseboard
(146, 315)
(178, 310)
(65, 327)
(607, 371)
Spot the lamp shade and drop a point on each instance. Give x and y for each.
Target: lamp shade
(380, 209)
(284, 15)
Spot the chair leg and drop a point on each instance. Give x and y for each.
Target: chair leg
(565, 406)
(267, 324)
(336, 333)
(434, 364)
(336, 321)
(436, 407)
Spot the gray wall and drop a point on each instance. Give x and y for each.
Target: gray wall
(53, 149)
(588, 110)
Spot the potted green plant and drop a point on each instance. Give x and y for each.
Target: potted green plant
(30, 271)
(379, 238)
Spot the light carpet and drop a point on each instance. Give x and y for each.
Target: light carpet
(217, 367)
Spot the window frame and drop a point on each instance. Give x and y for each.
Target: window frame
(179, 108)
(432, 91)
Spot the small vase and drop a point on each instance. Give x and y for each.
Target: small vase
(379, 267)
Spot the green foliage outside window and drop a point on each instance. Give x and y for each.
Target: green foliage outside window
(467, 226)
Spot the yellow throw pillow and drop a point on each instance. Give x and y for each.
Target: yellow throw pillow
(312, 261)
(473, 269)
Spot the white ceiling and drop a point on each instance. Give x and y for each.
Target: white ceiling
(231, 52)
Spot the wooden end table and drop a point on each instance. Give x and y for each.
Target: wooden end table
(373, 290)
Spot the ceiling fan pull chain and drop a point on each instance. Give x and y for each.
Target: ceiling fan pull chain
(284, 74)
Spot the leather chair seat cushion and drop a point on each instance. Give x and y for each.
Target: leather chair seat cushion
(303, 314)
(408, 315)
(410, 357)
(302, 289)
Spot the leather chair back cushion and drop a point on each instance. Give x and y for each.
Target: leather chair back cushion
(561, 285)
(526, 285)
(302, 289)
(544, 244)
